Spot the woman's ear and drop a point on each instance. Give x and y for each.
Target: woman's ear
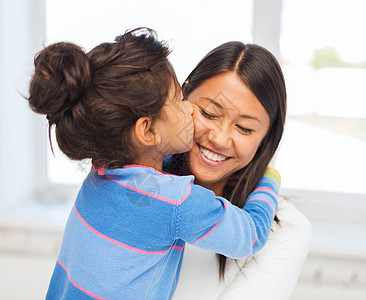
(144, 132)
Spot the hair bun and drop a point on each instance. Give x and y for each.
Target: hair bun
(61, 78)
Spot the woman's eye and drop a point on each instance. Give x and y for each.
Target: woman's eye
(207, 115)
(244, 130)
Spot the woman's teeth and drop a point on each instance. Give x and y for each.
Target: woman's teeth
(212, 156)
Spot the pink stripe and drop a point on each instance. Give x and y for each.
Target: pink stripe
(166, 173)
(186, 195)
(141, 166)
(177, 247)
(208, 233)
(161, 198)
(246, 255)
(266, 189)
(115, 241)
(212, 229)
(256, 238)
(261, 199)
(78, 286)
(101, 170)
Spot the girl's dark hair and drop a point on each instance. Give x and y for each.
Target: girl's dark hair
(261, 73)
(95, 98)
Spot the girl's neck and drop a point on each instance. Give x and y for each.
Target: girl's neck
(152, 162)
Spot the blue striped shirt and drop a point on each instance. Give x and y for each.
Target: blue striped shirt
(125, 235)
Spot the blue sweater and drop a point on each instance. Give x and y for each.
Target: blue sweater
(125, 235)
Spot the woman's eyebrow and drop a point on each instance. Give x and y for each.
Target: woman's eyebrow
(244, 116)
(213, 102)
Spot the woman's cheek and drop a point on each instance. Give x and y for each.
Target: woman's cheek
(200, 126)
(249, 149)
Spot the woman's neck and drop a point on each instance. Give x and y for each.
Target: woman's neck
(217, 187)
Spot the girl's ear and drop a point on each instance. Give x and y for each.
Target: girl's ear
(144, 132)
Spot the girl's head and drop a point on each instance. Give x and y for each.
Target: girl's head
(95, 99)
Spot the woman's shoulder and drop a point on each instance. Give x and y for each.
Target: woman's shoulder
(293, 219)
(294, 231)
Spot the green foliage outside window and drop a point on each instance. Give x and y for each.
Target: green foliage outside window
(328, 58)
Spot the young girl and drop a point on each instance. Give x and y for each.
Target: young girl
(121, 105)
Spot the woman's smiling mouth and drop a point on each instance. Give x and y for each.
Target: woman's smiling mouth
(212, 157)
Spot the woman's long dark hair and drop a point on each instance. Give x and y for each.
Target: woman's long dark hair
(262, 74)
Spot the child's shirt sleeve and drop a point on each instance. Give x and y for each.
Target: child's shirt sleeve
(214, 224)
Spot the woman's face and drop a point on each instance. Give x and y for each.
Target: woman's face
(230, 124)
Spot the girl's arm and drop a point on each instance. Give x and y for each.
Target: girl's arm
(214, 224)
(268, 186)
(278, 264)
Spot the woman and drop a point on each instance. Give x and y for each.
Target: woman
(239, 96)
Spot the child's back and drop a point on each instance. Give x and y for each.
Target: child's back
(120, 240)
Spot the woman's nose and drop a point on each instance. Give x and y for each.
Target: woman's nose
(220, 137)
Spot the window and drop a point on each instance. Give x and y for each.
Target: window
(323, 55)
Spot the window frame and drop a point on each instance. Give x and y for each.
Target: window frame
(320, 206)
(23, 133)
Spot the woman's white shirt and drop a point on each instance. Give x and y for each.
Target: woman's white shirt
(272, 274)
